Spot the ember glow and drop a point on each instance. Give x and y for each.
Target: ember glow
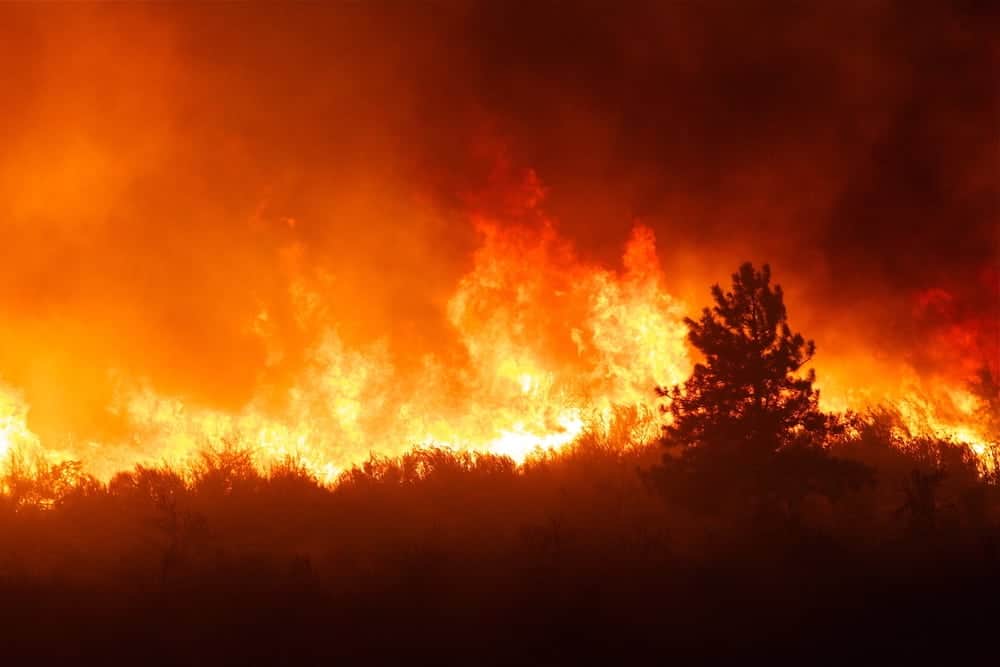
(209, 241)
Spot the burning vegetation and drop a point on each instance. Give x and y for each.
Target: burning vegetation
(546, 347)
(737, 505)
(363, 332)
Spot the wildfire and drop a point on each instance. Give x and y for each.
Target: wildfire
(13, 427)
(550, 345)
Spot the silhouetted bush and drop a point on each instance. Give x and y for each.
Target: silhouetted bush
(446, 551)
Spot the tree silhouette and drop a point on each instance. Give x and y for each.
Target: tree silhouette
(746, 393)
(748, 423)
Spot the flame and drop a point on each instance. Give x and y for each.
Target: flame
(936, 407)
(18, 443)
(548, 345)
(953, 417)
(14, 432)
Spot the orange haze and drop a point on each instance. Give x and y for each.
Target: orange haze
(338, 230)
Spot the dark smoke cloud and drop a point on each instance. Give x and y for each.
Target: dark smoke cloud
(170, 169)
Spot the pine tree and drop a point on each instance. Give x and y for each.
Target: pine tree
(747, 393)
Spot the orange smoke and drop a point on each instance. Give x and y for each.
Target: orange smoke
(257, 222)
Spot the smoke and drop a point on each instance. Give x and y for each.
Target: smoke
(173, 176)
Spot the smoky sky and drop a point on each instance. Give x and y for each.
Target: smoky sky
(169, 169)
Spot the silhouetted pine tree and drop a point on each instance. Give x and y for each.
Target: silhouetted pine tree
(748, 422)
(746, 393)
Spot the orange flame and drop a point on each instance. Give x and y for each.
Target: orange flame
(549, 346)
